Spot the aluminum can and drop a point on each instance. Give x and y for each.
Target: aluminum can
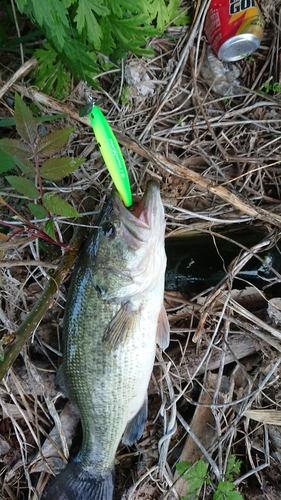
(234, 28)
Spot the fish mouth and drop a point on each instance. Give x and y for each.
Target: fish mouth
(143, 217)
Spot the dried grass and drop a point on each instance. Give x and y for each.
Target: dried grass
(217, 161)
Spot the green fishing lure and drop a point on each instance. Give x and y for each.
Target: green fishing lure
(110, 151)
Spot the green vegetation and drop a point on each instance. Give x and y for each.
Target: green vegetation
(197, 475)
(271, 87)
(29, 172)
(247, 57)
(89, 36)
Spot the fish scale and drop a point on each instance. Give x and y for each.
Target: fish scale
(106, 427)
(113, 318)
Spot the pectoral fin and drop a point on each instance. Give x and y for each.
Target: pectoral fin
(163, 329)
(122, 324)
(135, 427)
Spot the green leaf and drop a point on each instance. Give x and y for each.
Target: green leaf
(195, 476)
(132, 32)
(225, 492)
(51, 73)
(80, 61)
(9, 122)
(195, 484)
(201, 469)
(234, 495)
(25, 121)
(38, 211)
(26, 166)
(86, 20)
(50, 228)
(6, 162)
(108, 43)
(21, 4)
(74, 36)
(224, 486)
(56, 205)
(57, 168)
(158, 10)
(163, 13)
(218, 496)
(233, 466)
(177, 15)
(121, 7)
(16, 148)
(24, 186)
(182, 467)
(51, 16)
(53, 142)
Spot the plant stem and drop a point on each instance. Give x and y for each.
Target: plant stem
(47, 298)
(38, 175)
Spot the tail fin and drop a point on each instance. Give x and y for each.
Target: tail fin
(76, 483)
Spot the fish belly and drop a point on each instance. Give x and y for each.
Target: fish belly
(108, 385)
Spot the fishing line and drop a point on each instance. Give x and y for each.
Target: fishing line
(106, 140)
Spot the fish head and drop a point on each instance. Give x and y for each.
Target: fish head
(130, 255)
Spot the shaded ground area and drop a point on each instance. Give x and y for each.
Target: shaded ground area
(217, 159)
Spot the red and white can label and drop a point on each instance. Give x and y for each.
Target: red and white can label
(236, 23)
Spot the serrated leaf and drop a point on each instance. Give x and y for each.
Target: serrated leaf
(194, 484)
(13, 147)
(132, 33)
(53, 142)
(25, 121)
(52, 16)
(108, 43)
(56, 205)
(87, 21)
(158, 10)
(201, 469)
(50, 228)
(218, 496)
(57, 168)
(120, 7)
(226, 491)
(176, 14)
(225, 486)
(52, 73)
(26, 166)
(233, 465)
(180, 18)
(24, 186)
(81, 62)
(37, 210)
(182, 467)
(164, 13)
(6, 162)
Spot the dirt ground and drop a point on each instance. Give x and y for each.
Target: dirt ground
(216, 391)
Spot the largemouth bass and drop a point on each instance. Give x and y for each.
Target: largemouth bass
(113, 319)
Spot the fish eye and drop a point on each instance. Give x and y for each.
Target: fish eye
(108, 230)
